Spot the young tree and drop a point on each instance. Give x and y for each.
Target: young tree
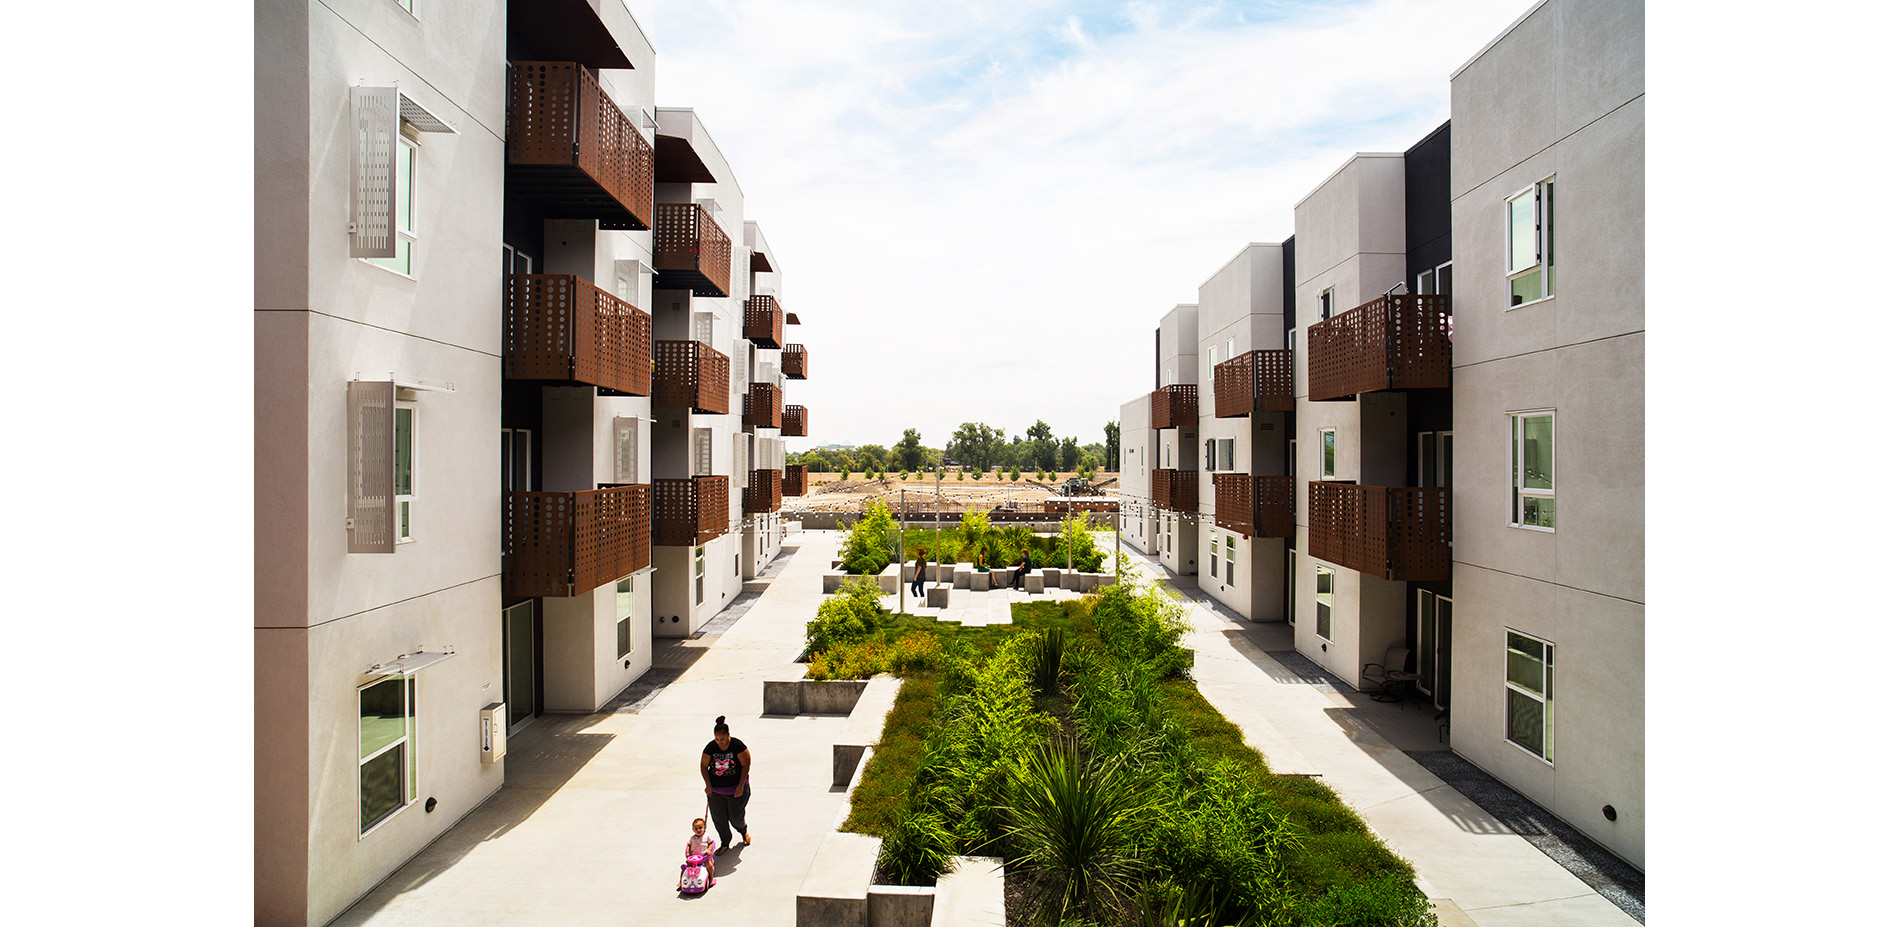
(1113, 449)
(1070, 454)
(910, 451)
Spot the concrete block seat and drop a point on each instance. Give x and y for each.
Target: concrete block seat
(979, 581)
(937, 597)
(838, 884)
(1032, 583)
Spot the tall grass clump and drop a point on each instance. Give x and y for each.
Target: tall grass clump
(1074, 821)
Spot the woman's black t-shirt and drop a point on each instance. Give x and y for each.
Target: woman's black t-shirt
(724, 768)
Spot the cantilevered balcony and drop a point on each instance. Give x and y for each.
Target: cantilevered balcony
(567, 543)
(690, 251)
(691, 511)
(1257, 381)
(563, 329)
(764, 492)
(764, 322)
(1176, 406)
(690, 375)
(794, 482)
(792, 361)
(572, 150)
(1400, 533)
(1254, 506)
(1393, 342)
(1175, 490)
(764, 406)
(795, 423)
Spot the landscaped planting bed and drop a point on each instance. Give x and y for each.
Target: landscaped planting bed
(1075, 745)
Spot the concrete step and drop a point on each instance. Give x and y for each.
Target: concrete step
(971, 895)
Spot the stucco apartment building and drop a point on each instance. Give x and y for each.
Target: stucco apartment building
(521, 369)
(1330, 495)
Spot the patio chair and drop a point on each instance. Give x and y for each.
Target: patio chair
(1389, 676)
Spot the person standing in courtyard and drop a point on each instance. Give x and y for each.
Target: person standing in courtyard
(917, 579)
(726, 765)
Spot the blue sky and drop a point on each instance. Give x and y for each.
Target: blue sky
(984, 208)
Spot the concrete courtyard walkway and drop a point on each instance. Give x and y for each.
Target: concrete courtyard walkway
(590, 826)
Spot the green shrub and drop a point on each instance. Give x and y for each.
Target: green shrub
(1075, 821)
(846, 616)
(920, 847)
(1143, 626)
(1015, 473)
(869, 545)
(960, 474)
(1380, 901)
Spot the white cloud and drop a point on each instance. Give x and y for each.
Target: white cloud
(984, 208)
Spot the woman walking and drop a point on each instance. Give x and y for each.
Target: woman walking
(726, 765)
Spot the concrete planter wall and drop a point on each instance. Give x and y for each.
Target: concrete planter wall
(812, 696)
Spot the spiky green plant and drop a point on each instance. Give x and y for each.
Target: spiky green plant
(1073, 821)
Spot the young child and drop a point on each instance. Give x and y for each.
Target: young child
(699, 852)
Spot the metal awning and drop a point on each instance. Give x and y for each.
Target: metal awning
(419, 116)
(791, 318)
(407, 663)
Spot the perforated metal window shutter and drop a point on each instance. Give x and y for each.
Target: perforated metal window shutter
(373, 116)
(371, 522)
(626, 450)
(741, 474)
(703, 328)
(702, 452)
(741, 364)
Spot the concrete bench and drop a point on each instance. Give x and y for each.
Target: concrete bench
(900, 905)
(960, 578)
(1032, 583)
(979, 581)
(837, 886)
(865, 727)
(833, 580)
(1072, 580)
(937, 597)
(887, 580)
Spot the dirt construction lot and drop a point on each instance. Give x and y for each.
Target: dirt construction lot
(831, 492)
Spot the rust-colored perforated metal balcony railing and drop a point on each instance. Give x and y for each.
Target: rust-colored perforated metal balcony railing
(1393, 342)
(793, 362)
(573, 151)
(1176, 406)
(1400, 533)
(1257, 381)
(794, 482)
(764, 406)
(690, 511)
(566, 543)
(1254, 506)
(764, 321)
(690, 375)
(562, 328)
(764, 492)
(690, 251)
(795, 423)
(1175, 490)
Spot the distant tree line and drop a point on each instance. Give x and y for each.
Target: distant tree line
(973, 446)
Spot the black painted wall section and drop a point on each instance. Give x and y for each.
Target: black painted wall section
(1428, 204)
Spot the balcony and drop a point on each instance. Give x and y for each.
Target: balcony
(1177, 406)
(691, 511)
(764, 405)
(794, 482)
(572, 150)
(1257, 381)
(690, 251)
(567, 543)
(764, 322)
(1254, 506)
(763, 493)
(795, 424)
(792, 362)
(1175, 490)
(562, 328)
(690, 375)
(1400, 533)
(1393, 342)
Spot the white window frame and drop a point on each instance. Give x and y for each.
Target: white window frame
(1328, 441)
(1230, 349)
(623, 628)
(409, 6)
(1325, 304)
(1542, 258)
(1513, 465)
(404, 262)
(509, 477)
(405, 525)
(1546, 658)
(1213, 357)
(1223, 454)
(1325, 598)
(1231, 545)
(410, 770)
(699, 575)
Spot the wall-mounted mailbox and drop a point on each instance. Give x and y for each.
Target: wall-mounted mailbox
(494, 732)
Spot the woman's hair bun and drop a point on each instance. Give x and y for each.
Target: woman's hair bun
(720, 720)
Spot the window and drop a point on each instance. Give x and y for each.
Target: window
(699, 575)
(408, 6)
(1328, 454)
(702, 452)
(516, 261)
(405, 472)
(386, 757)
(1213, 553)
(403, 262)
(1533, 243)
(1533, 479)
(1213, 357)
(1223, 454)
(1323, 596)
(516, 460)
(1326, 304)
(1528, 674)
(1230, 349)
(1230, 559)
(1436, 281)
(626, 449)
(623, 606)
